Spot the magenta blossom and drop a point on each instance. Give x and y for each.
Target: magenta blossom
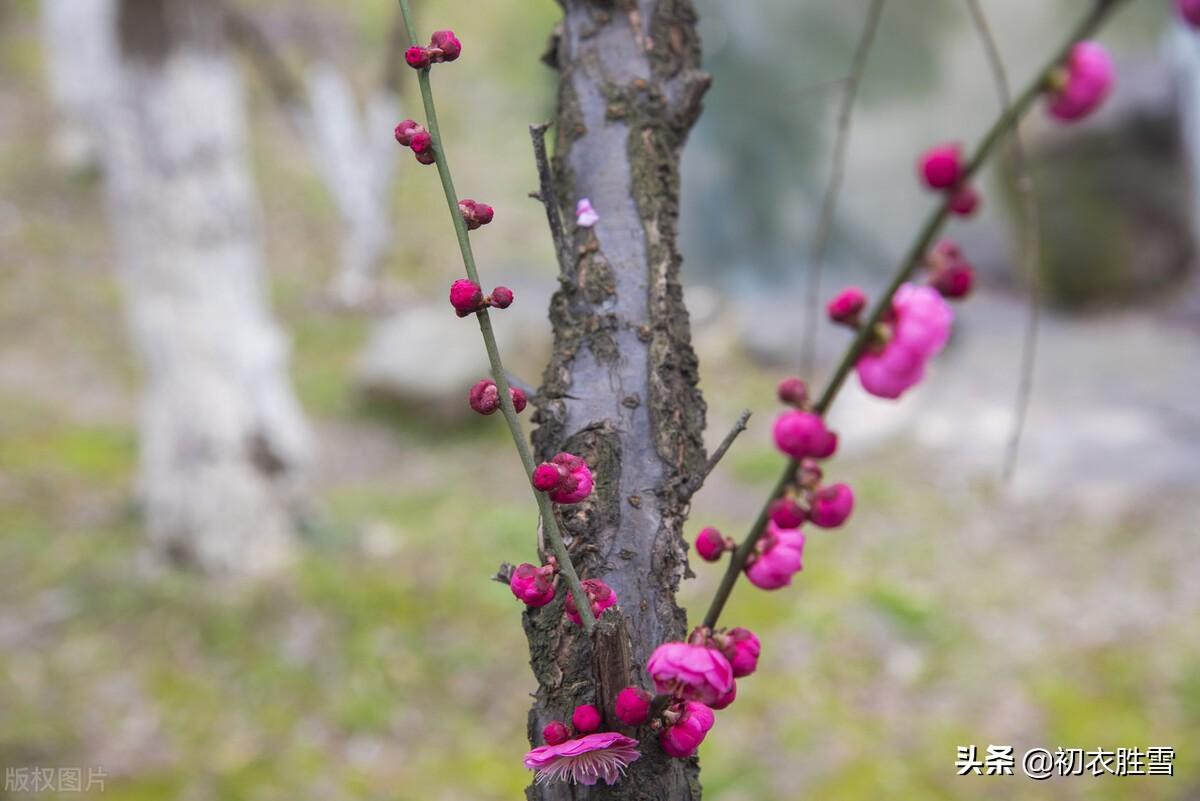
(846, 307)
(779, 554)
(831, 506)
(533, 586)
(741, 648)
(1084, 82)
(803, 434)
(584, 760)
(556, 732)
(599, 594)
(485, 397)
(942, 167)
(684, 736)
(633, 706)
(793, 392)
(466, 297)
(786, 513)
(445, 46)
(585, 719)
(695, 672)
(566, 478)
(920, 329)
(710, 544)
(1189, 10)
(726, 699)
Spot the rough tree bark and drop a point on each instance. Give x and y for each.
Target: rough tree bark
(221, 431)
(621, 387)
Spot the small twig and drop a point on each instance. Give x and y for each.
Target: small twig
(1030, 233)
(1010, 117)
(719, 453)
(837, 174)
(550, 524)
(549, 198)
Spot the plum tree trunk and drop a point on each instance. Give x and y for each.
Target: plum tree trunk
(621, 386)
(221, 432)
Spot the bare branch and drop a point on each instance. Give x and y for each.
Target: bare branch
(837, 173)
(549, 199)
(719, 453)
(1030, 233)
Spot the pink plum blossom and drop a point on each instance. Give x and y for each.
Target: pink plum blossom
(585, 719)
(802, 434)
(1189, 10)
(533, 586)
(584, 760)
(786, 513)
(942, 167)
(684, 736)
(741, 648)
(779, 554)
(695, 672)
(1086, 81)
(919, 331)
(585, 215)
(710, 544)
(566, 478)
(831, 506)
(599, 594)
(633, 706)
(466, 297)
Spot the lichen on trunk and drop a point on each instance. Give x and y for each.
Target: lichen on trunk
(620, 389)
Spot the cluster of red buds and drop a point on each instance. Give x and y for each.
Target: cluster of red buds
(467, 297)
(942, 168)
(413, 135)
(475, 214)
(443, 46)
(485, 397)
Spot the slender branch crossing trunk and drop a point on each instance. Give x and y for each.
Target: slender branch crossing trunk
(221, 431)
(621, 387)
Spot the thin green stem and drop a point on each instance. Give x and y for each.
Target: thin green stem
(545, 506)
(1008, 118)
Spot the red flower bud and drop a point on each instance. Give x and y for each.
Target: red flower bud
(501, 297)
(633, 706)
(422, 142)
(586, 719)
(417, 57)
(847, 306)
(405, 131)
(793, 391)
(466, 297)
(556, 732)
(448, 43)
(710, 544)
(964, 201)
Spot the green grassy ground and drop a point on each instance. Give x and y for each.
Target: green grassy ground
(386, 665)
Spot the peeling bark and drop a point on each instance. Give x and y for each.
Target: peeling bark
(620, 389)
(221, 432)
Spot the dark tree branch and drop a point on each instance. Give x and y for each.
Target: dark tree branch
(719, 453)
(549, 199)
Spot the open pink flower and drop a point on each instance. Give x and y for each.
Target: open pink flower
(599, 594)
(683, 737)
(1087, 81)
(584, 760)
(803, 434)
(920, 328)
(566, 478)
(779, 555)
(696, 672)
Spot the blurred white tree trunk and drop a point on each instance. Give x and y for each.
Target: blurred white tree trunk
(80, 68)
(221, 432)
(356, 158)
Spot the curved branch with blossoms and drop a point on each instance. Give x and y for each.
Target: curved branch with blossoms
(895, 339)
